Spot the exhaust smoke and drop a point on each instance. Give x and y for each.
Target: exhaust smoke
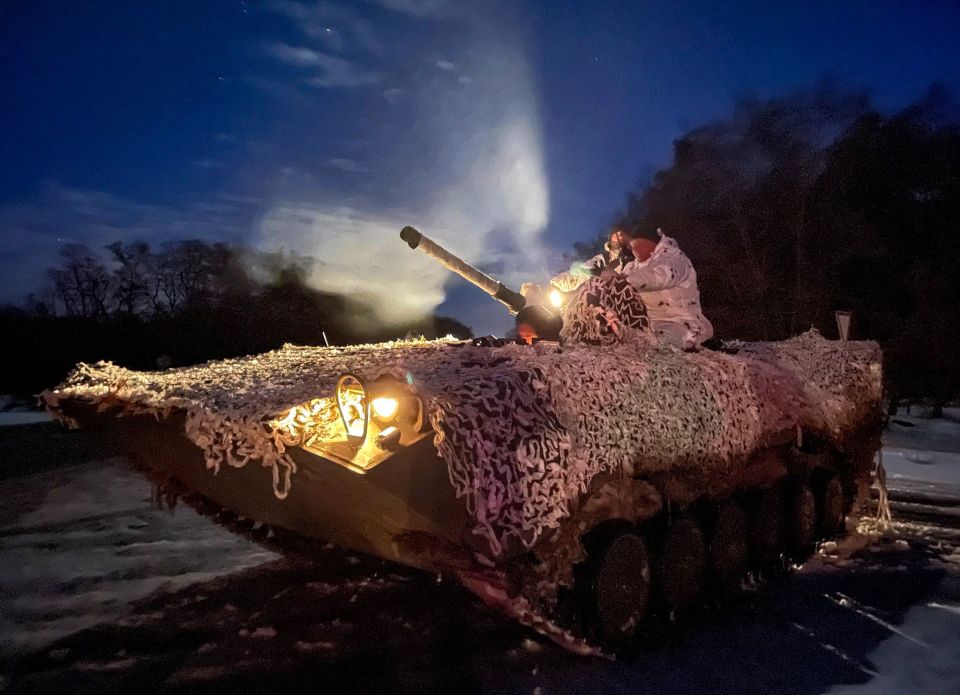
(451, 144)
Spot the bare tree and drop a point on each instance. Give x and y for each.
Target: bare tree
(82, 283)
(131, 276)
(189, 273)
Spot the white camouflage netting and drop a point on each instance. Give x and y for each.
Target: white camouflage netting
(523, 430)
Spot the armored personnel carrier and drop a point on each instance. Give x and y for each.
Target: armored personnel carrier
(580, 485)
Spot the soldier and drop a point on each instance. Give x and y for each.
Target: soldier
(616, 253)
(664, 278)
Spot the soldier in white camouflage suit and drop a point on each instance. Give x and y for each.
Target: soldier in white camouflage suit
(664, 278)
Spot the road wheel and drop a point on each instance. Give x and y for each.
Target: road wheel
(728, 551)
(683, 565)
(801, 522)
(620, 587)
(832, 516)
(767, 532)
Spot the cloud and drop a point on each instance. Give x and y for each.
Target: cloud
(338, 27)
(294, 55)
(282, 90)
(393, 94)
(366, 37)
(416, 8)
(445, 65)
(337, 72)
(207, 163)
(242, 199)
(328, 35)
(294, 10)
(331, 70)
(345, 165)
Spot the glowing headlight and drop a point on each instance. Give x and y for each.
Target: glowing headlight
(556, 298)
(385, 408)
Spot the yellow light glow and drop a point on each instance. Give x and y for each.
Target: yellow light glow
(385, 408)
(352, 400)
(352, 407)
(556, 298)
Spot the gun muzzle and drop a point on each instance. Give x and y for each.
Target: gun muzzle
(514, 301)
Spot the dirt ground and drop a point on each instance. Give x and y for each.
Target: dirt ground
(103, 593)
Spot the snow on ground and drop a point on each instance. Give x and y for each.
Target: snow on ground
(18, 412)
(915, 431)
(922, 652)
(931, 466)
(23, 417)
(921, 656)
(84, 543)
(923, 453)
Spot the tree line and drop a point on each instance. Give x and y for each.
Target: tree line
(798, 206)
(181, 303)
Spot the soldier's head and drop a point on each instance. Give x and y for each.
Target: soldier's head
(639, 242)
(618, 242)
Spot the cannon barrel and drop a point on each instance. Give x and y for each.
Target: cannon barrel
(514, 301)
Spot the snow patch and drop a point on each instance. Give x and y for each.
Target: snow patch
(925, 465)
(928, 662)
(94, 545)
(23, 417)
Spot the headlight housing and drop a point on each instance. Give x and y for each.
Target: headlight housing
(382, 412)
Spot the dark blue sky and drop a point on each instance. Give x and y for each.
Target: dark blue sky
(507, 130)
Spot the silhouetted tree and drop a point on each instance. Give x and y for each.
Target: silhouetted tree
(132, 276)
(798, 206)
(82, 283)
(187, 273)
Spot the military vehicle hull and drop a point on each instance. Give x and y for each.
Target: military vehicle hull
(578, 500)
(406, 512)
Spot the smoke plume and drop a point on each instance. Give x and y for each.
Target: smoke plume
(450, 142)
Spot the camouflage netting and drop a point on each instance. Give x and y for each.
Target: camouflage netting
(523, 430)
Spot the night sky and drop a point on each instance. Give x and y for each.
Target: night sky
(505, 130)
